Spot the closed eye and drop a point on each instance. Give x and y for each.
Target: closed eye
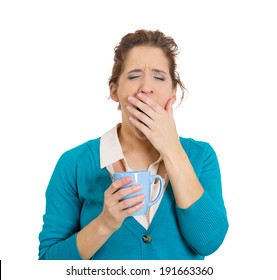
(133, 77)
(135, 73)
(159, 78)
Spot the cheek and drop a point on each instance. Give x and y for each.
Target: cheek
(163, 99)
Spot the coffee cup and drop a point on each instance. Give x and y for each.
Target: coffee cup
(145, 179)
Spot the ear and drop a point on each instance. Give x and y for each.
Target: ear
(113, 92)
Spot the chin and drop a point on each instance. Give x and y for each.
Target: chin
(140, 135)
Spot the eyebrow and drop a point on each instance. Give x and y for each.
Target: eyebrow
(153, 70)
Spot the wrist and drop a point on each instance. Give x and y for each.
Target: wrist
(173, 152)
(104, 227)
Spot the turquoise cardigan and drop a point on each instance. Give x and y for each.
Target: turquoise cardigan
(74, 198)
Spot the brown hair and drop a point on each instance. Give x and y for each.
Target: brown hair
(144, 37)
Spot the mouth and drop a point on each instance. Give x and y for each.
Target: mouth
(139, 110)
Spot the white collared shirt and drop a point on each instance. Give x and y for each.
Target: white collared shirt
(111, 152)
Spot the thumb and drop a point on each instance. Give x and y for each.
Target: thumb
(169, 105)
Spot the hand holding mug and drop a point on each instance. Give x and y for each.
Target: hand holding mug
(116, 208)
(145, 179)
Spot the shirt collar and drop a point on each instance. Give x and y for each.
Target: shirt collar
(110, 148)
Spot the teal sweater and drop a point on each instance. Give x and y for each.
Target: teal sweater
(74, 198)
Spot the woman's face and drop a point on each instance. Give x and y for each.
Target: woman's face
(146, 70)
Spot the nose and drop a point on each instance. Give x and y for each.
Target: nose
(146, 86)
(146, 91)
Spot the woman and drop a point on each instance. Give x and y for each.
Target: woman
(85, 217)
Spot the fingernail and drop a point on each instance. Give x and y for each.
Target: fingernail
(140, 204)
(130, 98)
(129, 179)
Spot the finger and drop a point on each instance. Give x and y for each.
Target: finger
(169, 105)
(121, 193)
(140, 116)
(144, 107)
(131, 210)
(116, 185)
(140, 126)
(151, 103)
(131, 202)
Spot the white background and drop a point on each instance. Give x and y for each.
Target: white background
(55, 61)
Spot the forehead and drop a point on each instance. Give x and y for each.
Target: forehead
(146, 56)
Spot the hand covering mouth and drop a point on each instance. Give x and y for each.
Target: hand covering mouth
(141, 112)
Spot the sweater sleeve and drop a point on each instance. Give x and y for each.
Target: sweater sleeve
(61, 218)
(204, 224)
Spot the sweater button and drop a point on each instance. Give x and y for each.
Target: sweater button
(146, 238)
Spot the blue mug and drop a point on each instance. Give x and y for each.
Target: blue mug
(145, 179)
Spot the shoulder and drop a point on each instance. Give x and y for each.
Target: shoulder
(193, 146)
(81, 152)
(200, 153)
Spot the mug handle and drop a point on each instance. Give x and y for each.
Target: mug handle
(153, 177)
